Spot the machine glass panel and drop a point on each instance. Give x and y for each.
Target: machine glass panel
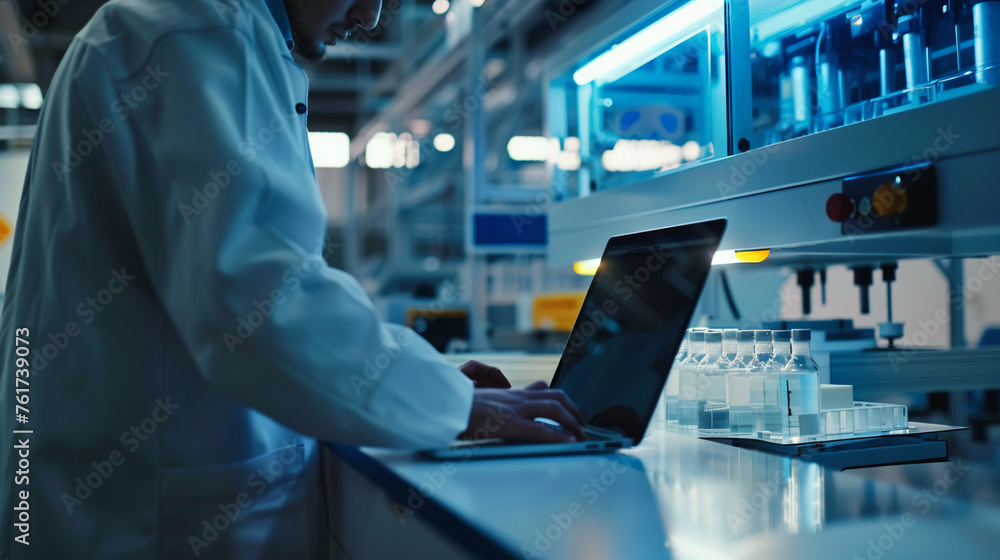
(818, 64)
(651, 101)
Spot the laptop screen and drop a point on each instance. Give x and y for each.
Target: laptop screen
(633, 319)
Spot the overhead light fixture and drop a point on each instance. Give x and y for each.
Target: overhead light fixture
(407, 152)
(17, 96)
(386, 149)
(642, 155)
(440, 6)
(733, 257)
(477, 3)
(330, 149)
(444, 142)
(568, 161)
(10, 98)
(589, 267)
(533, 148)
(380, 151)
(31, 96)
(691, 150)
(647, 44)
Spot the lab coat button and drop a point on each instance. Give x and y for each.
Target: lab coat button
(300, 108)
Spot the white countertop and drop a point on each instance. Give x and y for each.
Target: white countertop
(681, 497)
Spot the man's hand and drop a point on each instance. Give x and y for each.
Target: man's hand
(510, 414)
(484, 376)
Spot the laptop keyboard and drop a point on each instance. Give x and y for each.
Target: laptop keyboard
(591, 433)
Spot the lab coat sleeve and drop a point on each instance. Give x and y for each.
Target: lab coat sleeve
(228, 218)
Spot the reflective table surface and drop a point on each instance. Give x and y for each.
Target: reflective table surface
(675, 496)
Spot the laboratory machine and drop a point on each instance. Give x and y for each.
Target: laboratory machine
(849, 143)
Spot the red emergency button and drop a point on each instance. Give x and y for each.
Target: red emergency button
(839, 207)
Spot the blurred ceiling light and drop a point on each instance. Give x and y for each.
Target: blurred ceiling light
(568, 161)
(10, 98)
(528, 148)
(444, 142)
(645, 45)
(642, 155)
(554, 149)
(691, 150)
(733, 257)
(380, 150)
(477, 3)
(31, 96)
(17, 96)
(385, 150)
(399, 150)
(330, 149)
(407, 152)
(440, 6)
(569, 158)
(587, 267)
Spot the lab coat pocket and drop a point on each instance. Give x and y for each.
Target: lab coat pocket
(254, 509)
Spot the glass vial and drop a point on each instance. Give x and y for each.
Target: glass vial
(687, 390)
(741, 416)
(800, 381)
(713, 411)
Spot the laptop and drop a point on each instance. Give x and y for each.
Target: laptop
(624, 341)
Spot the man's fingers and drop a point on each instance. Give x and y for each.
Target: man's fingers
(485, 376)
(510, 414)
(537, 432)
(541, 391)
(562, 398)
(553, 410)
(493, 377)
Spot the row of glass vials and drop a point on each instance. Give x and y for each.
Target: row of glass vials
(763, 384)
(746, 383)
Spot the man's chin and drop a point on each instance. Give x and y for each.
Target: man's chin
(312, 51)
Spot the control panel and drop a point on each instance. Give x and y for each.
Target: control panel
(886, 200)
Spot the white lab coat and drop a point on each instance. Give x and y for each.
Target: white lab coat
(187, 340)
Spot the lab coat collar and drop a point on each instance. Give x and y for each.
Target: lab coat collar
(280, 15)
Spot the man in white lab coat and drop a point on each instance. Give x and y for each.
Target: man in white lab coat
(173, 343)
